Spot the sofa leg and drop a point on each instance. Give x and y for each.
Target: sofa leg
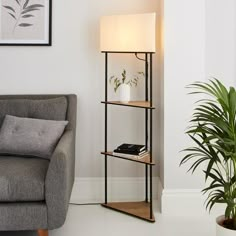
(42, 232)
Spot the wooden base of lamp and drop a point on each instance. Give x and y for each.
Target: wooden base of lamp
(140, 210)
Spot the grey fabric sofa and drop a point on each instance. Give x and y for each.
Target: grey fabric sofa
(35, 192)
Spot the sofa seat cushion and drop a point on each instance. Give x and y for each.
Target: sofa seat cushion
(22, 179)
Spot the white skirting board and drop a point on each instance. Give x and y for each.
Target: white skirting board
(184, 202)
(181, 202)
(91, 190)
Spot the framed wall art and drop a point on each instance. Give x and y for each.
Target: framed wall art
(25, 22)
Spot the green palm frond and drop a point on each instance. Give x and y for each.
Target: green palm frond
(213, 130)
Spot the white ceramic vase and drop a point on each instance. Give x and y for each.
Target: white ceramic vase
(220, 230)
(124, 91)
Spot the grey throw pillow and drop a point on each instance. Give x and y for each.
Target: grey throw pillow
(30, 137)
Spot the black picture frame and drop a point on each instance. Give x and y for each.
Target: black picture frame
(48, 22)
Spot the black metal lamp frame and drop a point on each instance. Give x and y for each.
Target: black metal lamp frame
(148, 125)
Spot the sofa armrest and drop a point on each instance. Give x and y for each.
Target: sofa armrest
(60, 179)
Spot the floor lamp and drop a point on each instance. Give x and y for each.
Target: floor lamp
(132, 34)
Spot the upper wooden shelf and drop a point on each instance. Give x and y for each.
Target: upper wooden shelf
(139, 104)
(145, 160)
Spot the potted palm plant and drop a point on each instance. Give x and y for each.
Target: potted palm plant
(213, 131)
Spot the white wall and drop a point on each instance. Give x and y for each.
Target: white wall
(221, 40)
(74, 65)
(199, 42)
(184, 63)
(161, 90)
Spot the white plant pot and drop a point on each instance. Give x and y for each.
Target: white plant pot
(124, 91)
(220, 230)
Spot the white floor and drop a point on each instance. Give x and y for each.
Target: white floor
(99, 221)
(96, 221)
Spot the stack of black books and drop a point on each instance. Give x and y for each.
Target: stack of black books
(131, 151)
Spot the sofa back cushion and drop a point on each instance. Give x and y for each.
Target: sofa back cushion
(48, 109)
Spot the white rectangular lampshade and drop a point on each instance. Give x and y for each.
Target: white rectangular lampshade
(128, 33)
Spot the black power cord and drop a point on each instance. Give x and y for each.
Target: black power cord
(141, 59)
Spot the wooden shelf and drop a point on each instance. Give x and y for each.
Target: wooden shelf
(144, 160)
(136, 209)
(139, 104)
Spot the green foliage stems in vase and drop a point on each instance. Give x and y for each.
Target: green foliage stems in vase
(213, 130)
(124, 80)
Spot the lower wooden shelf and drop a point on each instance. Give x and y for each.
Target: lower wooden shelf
(145, 160)
(136, 209)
